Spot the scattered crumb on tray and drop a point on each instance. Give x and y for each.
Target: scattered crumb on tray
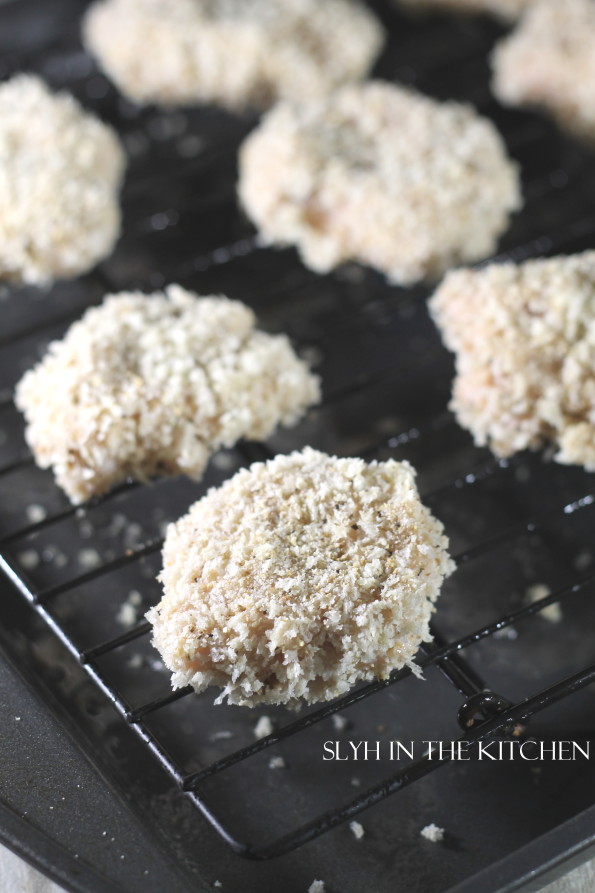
(89, 558)
(340, 723)
(128, 612)
(316, 887)
(433, 833)
(357, 830)
(277, 763)
(553, 612)
(28, 559)
(263, 727)
(224, 461)
(36, 513)
(126, 615)
(221, 735)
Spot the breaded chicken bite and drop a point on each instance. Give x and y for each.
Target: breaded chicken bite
(153, 385)
(238, 53)
(524, 340)
(60, 174)
(297, 578)
(381, 175)
(549, 62)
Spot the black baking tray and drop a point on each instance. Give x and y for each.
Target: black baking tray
(82, 795)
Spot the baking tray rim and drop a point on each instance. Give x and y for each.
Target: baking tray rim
(529, 868)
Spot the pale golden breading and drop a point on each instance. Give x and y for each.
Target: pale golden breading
(146, 385)
(382, 175)
(239, 53)
(60, 174)
(297, 578)
(524, 340)
(549, 62)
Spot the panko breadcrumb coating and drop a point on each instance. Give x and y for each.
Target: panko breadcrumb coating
(152, 385)
(382, 175)
(524, 339)
(298, 578)
(60, 173)
(503, 9)
(549, 62)
(239, 53)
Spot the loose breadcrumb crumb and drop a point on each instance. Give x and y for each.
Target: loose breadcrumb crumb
(277, 763)
(297, 578)
(222, 735)
(60, 174)
(339, 722)
(263, 727)
(234, 52)
(357, 830)
(148, 385)
(553, 612)
(433, 832)
(28, 559)
(507, 10)
(36, 513)
(524, 339)
(316, 887)
(126, 615)
(381, 175)
(89, 558)
(549, 61)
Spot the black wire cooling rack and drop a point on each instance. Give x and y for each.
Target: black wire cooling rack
(512, 524)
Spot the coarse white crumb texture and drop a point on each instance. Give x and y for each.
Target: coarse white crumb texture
(382, 175)
(316, 887)
(549, 62)
(503, 9)
(433, 832)
(297, 578)
(524, 339)
(357, 830)
(60, 174)
(152, 385)
(234, 52)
